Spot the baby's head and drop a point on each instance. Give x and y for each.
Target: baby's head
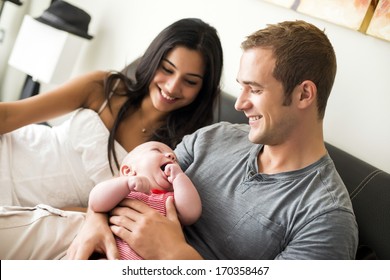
(150, 159)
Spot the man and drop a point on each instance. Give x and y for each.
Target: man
(276, 196)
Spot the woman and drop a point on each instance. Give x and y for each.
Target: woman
(176, 84)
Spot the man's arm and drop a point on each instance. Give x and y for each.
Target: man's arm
(330, 236)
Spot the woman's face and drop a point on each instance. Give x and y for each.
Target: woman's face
(177, 80)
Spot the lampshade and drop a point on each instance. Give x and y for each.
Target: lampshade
(45, 53)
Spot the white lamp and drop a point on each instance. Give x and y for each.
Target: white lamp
(45, 53)
(48, 46)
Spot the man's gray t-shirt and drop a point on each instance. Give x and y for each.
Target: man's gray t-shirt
(303, 214)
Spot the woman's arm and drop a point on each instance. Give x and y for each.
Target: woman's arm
(83, 91)
(187, 200)
(94, 237)
(152, 235)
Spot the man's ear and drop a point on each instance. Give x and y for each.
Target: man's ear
(126, 170)
(307, 94)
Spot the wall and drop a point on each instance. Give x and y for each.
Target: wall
(358, 115)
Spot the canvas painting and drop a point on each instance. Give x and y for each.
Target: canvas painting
(380, 22)
(348, 13)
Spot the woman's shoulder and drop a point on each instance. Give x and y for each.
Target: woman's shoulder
(96, 76)
(93, 74)
(92, 84)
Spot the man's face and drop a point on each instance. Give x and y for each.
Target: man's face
(261, 98)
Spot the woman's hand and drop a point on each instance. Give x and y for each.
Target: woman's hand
(94, 237)
(150, 234)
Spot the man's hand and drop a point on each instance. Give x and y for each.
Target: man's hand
(150, 234)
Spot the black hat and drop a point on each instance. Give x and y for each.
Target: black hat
(17, 2)
(66, 17)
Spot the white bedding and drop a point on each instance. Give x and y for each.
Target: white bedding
(56, 166)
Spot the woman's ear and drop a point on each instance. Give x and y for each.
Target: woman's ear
(126, 170)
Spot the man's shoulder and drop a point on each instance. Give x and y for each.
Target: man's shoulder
(223, 132)
(219, 135)
(227, 126)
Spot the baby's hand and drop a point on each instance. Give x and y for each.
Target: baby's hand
(139, 184)
(172, 171)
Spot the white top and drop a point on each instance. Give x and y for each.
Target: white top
(56, 166)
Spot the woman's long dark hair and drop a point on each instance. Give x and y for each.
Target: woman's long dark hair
(193, 34)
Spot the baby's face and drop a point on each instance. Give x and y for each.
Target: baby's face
(150, 159)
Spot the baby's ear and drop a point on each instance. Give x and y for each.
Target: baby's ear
(126, 170)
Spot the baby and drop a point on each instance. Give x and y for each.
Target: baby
(151, 174)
